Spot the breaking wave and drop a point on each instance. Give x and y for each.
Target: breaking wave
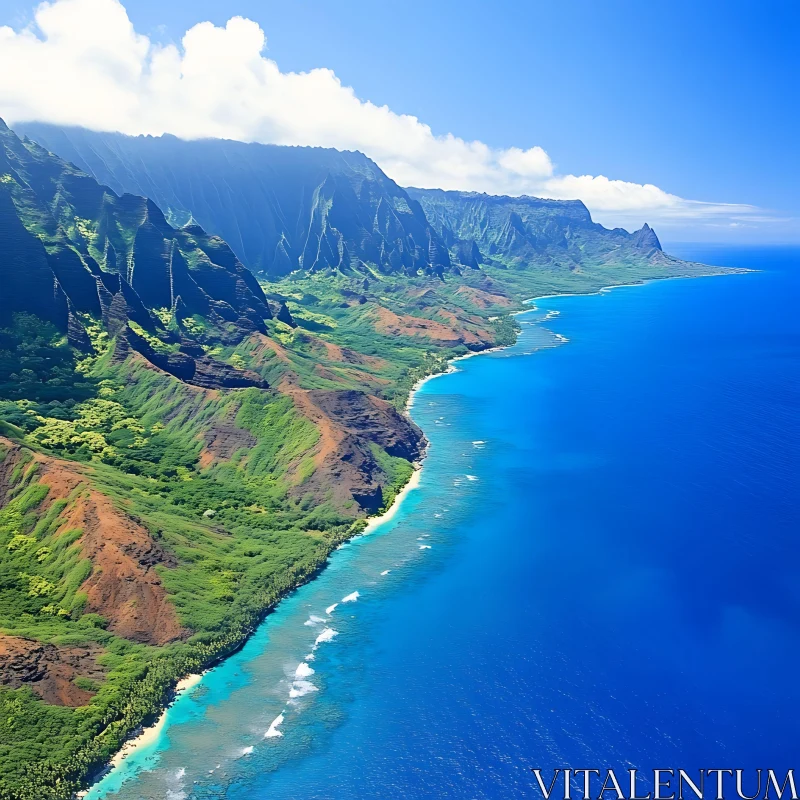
(273, 731)
(303, 670)
(325, 636)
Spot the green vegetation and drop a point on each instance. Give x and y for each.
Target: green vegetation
(37, 364)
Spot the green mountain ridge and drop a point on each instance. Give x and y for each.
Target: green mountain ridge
(80, 249)
(280, 208)
(287, 209)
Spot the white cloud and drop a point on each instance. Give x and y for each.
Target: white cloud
(82, 63)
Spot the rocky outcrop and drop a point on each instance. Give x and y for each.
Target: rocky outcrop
(373, 419)
(645, 239)
(349, 422)
(189, 364)
(468, 253)
(281, 312)
(50, 671)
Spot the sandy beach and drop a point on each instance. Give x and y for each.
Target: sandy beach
(412, 484)
(150, 734)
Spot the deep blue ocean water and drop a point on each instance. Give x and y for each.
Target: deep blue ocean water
(598, 569)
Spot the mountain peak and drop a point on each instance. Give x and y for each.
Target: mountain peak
(645, 239)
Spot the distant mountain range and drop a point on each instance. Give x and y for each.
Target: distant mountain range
(522, 232)
(283, 209)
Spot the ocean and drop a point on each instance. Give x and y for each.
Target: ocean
(598, 569)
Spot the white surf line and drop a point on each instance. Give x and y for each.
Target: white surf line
(272, 731)
(351, 598)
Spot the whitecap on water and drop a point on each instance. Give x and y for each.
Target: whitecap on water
(314, 620)
(273, 731)
(386, 572)
(472, 477)
(329, 609)
(351, 598)
(424, 547)
(247, 750)
(303, 670)
(325, 636)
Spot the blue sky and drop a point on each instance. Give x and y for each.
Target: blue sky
(700, 99)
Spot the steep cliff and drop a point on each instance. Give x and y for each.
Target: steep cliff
(72, 250)
(280, 208)
(531, 233)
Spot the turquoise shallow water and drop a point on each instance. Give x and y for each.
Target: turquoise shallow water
(599, 568)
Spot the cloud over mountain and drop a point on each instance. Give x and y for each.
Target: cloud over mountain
(80, 62)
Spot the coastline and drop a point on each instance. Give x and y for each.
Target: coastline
(411, 484)
(413, 481)
(147, 735)
(150, 734)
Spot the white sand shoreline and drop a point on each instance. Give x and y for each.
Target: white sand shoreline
(148, 735)
(411, 484)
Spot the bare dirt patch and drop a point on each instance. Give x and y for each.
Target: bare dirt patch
(50, 671)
